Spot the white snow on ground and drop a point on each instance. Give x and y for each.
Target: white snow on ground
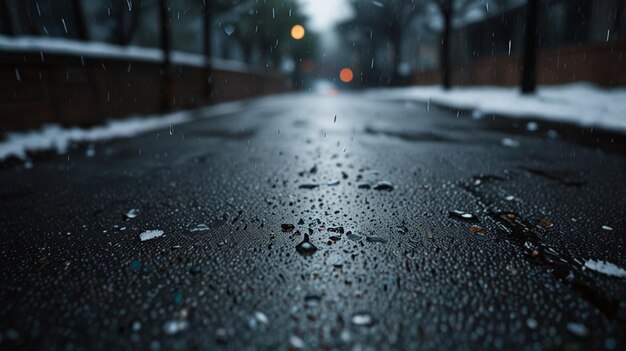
(150, 234)
(606, 268)
(579, 103)
(104, 50)
(56, 137)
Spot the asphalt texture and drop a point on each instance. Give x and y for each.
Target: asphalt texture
(388, 263)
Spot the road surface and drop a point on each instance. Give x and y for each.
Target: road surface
(318, 222)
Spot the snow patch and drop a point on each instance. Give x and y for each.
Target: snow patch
(579, 103)
(52, 136)
(606, 268)
(56, 137)
(150, 234)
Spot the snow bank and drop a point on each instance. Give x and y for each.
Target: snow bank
(580, 103)
(104, 50)
(56, 137)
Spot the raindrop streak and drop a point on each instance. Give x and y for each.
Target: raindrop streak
(335, 119)
(305, 248)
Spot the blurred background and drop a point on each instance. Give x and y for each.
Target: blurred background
(81, 61)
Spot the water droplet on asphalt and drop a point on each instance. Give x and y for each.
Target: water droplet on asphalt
(383, 186)
(477, 230)
(305, 247)
(461, 215)
(287, 228)
(353, 237)
(229, 29)
(132, 213)
(532, 126)
(175, 326)
(545, 223)
(150, 234)
(296, 343)
(257, 319)
(312, 300)
(221, 335)
(577, 329)
(362, 319)
(200, 228)
(508, 142)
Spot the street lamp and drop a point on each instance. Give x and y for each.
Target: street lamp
(297, 32)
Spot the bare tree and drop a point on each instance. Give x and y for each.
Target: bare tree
(127, 17)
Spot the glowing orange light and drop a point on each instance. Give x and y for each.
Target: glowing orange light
(297, 32)
(346, 75)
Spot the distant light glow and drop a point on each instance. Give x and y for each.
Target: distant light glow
(297, 32)
(346, 75)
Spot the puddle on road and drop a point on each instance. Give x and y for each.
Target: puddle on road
(564, 177)
(416, 136)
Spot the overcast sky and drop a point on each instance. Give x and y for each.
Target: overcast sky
(324, 14)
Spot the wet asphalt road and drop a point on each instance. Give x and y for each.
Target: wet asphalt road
(402, 272)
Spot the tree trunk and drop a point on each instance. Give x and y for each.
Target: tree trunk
(6, 22)
(79, 20)
(444, 64)
(529, 60)
(166, 87)
(396, 41)
(207, 19)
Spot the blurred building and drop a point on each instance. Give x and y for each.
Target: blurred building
(579, 40)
